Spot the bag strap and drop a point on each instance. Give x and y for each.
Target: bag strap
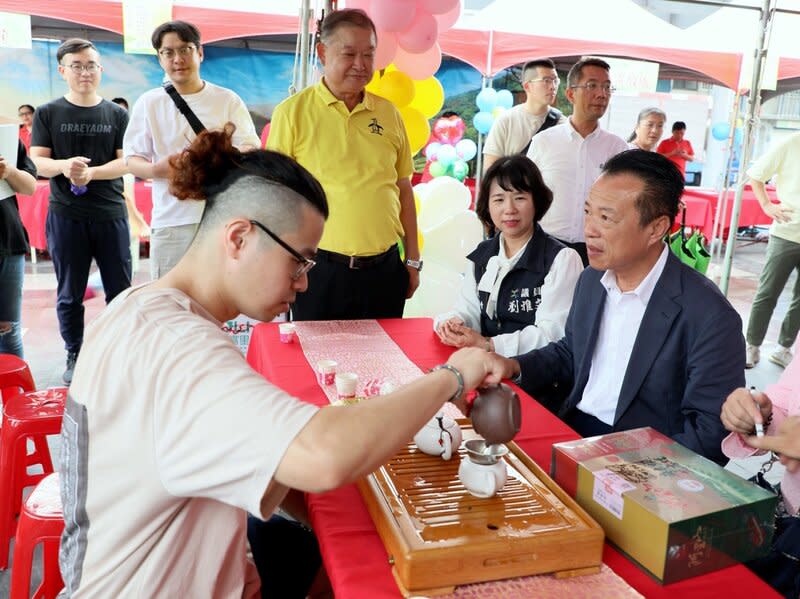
(184, 109)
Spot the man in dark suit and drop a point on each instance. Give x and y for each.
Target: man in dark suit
(648, 341)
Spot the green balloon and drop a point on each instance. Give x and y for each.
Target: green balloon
(437, 169)
(460, 170)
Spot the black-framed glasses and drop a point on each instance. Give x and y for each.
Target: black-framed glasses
(595, 87)
(78, 68)
(305, 265)
(183, 51)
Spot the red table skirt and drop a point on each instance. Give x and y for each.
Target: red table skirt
(353, 553)
(701, 207)
(33, 209)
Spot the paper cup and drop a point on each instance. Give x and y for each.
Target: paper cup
(286, 331)
(346, 383)
(326, 372)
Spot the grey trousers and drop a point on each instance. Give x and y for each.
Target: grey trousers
(783, 257)
(167, 247)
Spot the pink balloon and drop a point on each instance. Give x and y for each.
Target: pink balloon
(420, 35)
(362, 4)
(438, 7)
(390, 15)
(419, 66)
(387, 47)
(448, 19)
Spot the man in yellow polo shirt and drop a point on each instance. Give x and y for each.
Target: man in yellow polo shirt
(355, 143)
(783, 250)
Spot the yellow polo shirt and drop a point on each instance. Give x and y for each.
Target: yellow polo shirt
(781, 161)
(358, 158)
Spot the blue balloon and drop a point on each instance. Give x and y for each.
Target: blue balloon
(720, 131)
(483, 121)
(505, 99)
(487, 99)
(446, 155)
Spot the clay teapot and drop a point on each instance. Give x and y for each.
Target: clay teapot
(496, 414)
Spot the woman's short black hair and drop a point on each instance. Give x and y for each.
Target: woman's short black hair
(516, 172)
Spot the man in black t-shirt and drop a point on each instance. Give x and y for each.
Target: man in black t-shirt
(77, 142)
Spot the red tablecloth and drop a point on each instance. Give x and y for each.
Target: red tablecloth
(701, 207)
(33, 209)
(354, 556)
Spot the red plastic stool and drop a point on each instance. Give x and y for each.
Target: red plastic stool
(32, 415)
(41, 521)
(15, 376)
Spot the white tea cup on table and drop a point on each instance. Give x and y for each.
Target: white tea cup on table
(346, 383)
(286, 332)
(441, 436)
(326, 372)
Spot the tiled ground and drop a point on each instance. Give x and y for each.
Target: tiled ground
(45, 354)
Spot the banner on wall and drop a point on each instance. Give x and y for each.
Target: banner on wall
(15, 30)
(139, 18)
(633, 76)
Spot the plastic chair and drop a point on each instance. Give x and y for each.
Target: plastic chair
(41, 521)
(15, 376)
(32, 415)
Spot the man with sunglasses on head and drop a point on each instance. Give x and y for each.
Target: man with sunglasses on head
(158, 131)
(570, 156)
(513, 130)
(77, 142)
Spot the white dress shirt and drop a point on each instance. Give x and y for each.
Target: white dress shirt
(619, 326)
(570, 164)
(551, 315)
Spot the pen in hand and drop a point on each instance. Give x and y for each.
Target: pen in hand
(759, 425)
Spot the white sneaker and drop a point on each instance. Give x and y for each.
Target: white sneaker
(752, 356)
(782, 356)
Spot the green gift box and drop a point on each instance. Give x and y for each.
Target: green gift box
(674, 512)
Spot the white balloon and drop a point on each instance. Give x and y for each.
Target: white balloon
(437, 292)
(443, 198)
(448, 243)
(421, 189)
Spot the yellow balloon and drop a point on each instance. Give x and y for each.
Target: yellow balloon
(417, 127)
(397, 87)
(416, 202)
(374, 86)
(429, 97)
(420, 241)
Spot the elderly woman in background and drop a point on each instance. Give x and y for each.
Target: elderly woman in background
(518, 290)
(649, 128)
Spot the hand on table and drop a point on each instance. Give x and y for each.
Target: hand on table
(742, 410)
(786, 443)
(455, 333)
(779, 212)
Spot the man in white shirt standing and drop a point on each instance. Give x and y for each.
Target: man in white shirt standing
(648, 340)
(571, 155)
(157, 131)
(513, 130)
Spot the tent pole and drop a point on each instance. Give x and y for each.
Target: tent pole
(722, 205)
(747, 144)
(486, 81)
(304, 32)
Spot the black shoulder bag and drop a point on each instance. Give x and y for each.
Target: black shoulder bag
(184, 109)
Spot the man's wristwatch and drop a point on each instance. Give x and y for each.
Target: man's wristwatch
(417, 264)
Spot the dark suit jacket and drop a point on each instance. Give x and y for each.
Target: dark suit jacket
(687, 357)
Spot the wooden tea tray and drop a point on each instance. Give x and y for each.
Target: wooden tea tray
(439, 536)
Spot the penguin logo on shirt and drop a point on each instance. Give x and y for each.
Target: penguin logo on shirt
(375, 127)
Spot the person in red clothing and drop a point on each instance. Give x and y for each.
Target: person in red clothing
(26, 124)
(677, 149)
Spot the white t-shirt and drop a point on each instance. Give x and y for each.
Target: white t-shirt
(513, 130)
(169, 438)
(570, 164)
(157, 129)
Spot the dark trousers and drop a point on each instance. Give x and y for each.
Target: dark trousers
(585, 424)
(580, 247)
(338, 292)
(286, 554)
(72, 245)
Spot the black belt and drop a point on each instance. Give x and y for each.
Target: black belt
(356, 262)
